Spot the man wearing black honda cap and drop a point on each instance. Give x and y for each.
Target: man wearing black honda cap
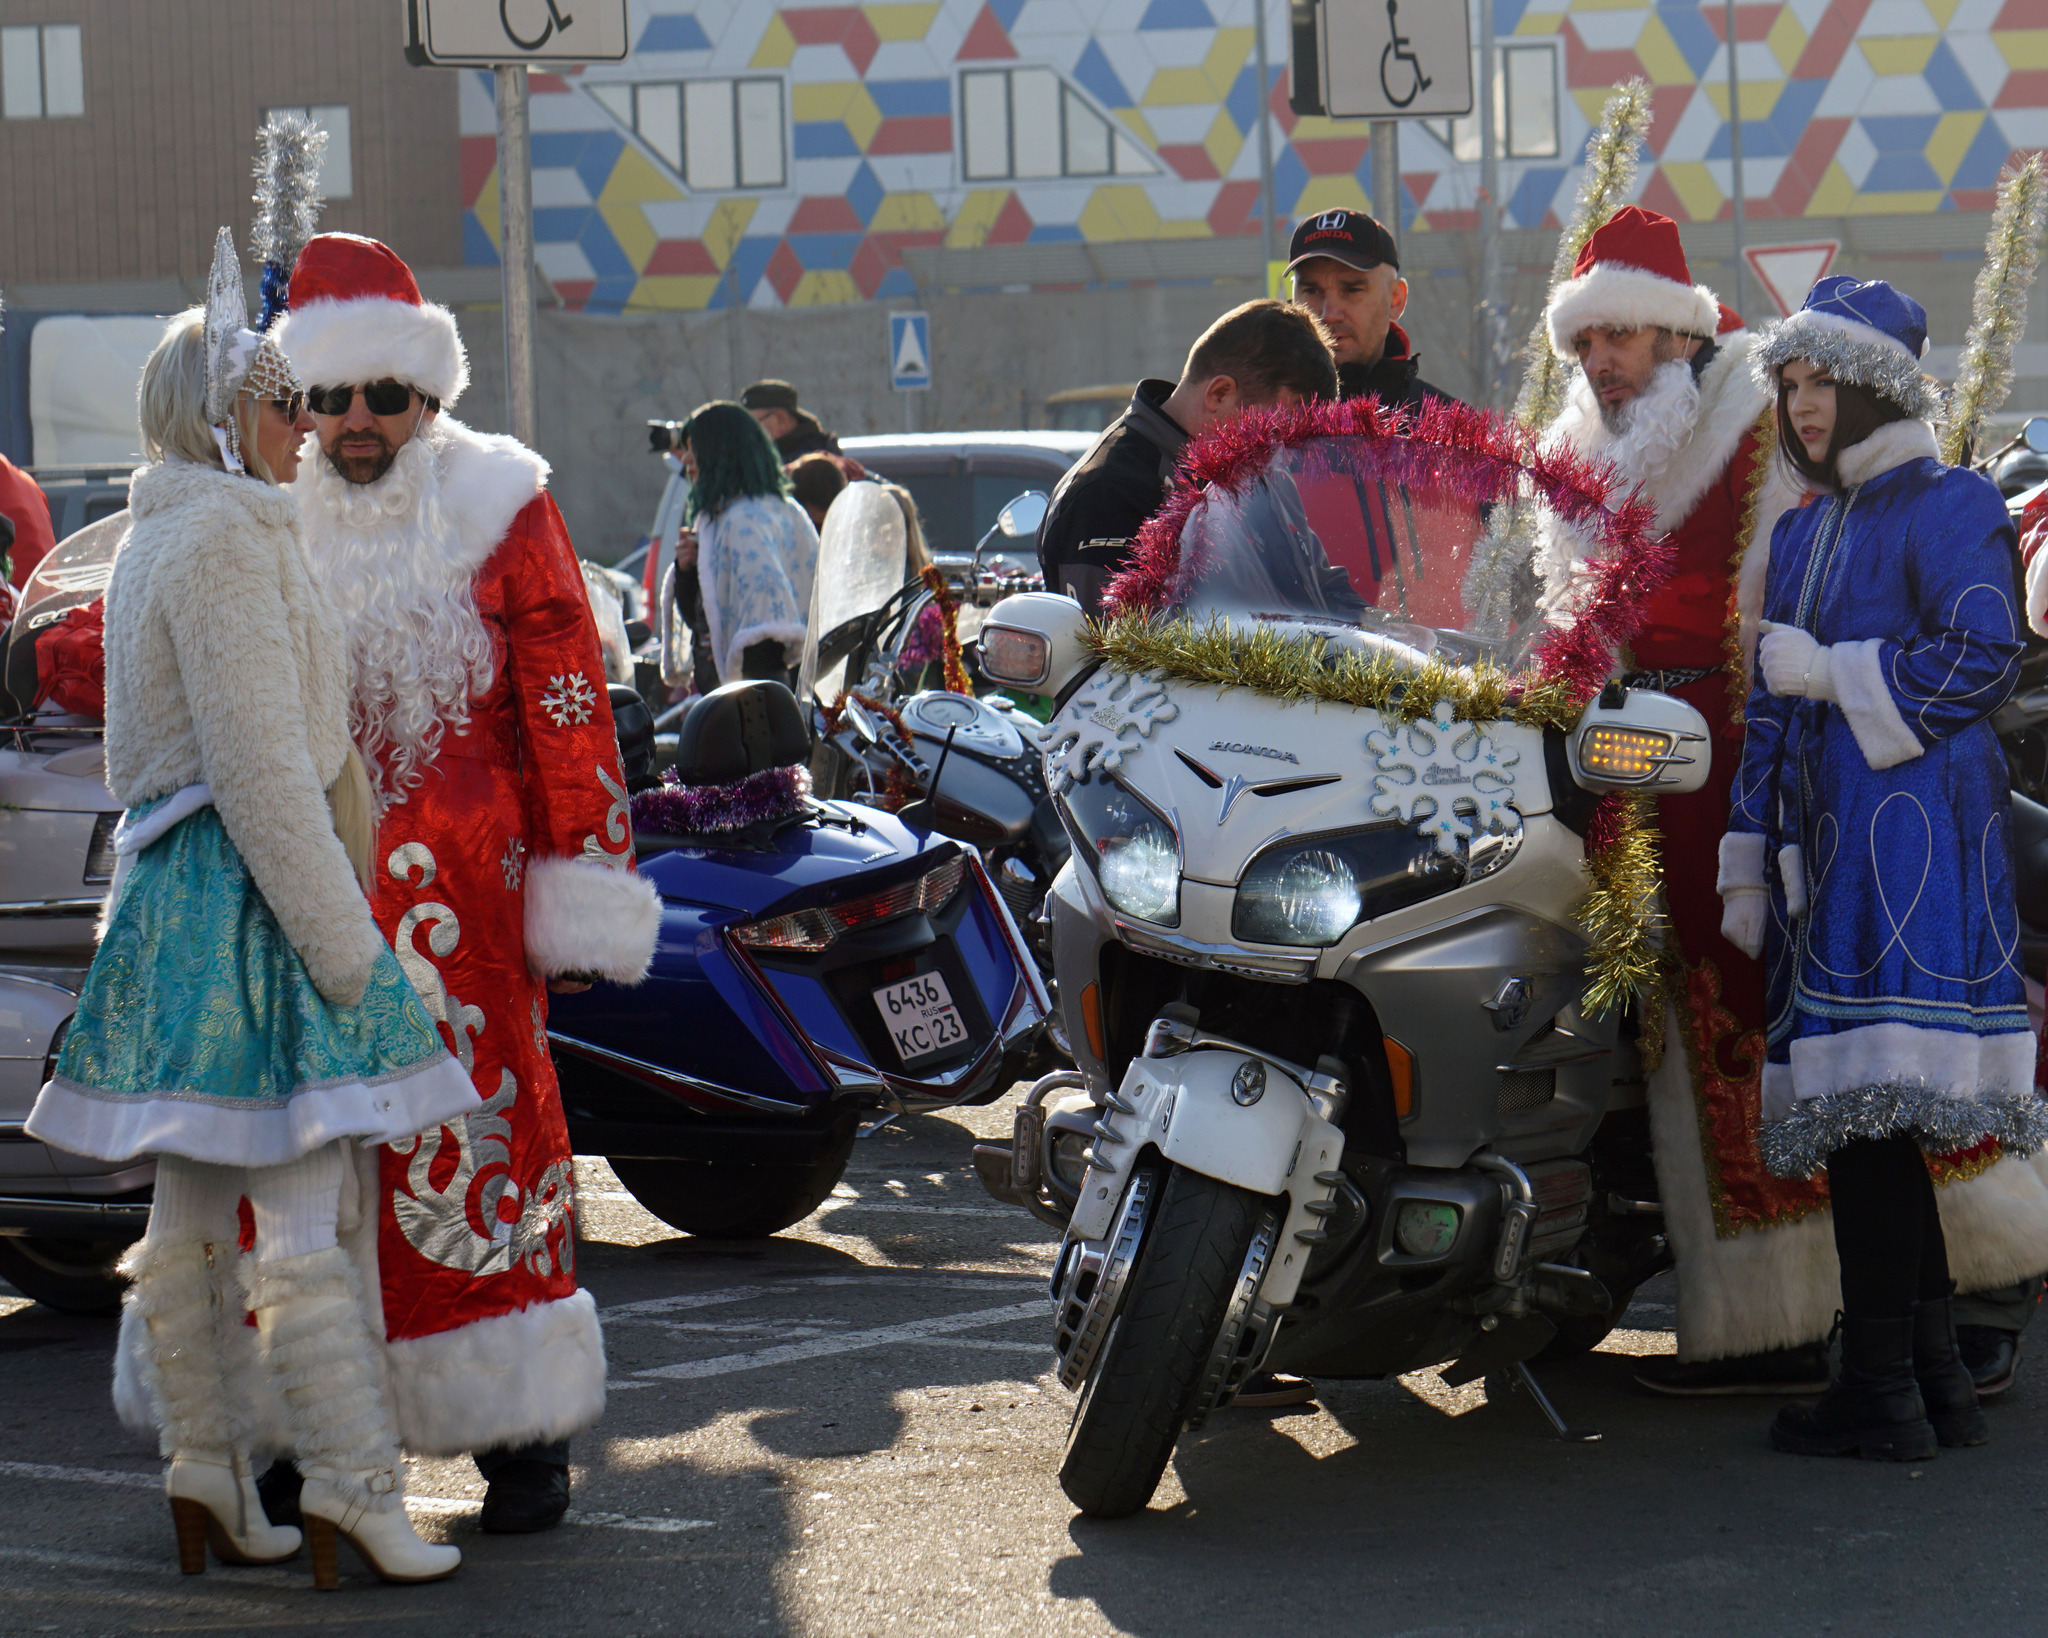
(1347, 272)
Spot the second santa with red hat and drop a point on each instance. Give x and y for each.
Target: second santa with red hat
(504, 860)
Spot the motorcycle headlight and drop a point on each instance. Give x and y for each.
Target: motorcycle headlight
(1314, 891)
(1133, 849)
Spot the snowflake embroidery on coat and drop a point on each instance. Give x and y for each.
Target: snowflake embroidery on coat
(1448, 779)
(1102, 725)
(514, 864)
(568, 699)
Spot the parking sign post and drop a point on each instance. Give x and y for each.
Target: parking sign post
(504, 36)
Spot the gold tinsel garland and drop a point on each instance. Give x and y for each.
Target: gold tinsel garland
(1998, 307)
(1612, 153)
(1620, 913)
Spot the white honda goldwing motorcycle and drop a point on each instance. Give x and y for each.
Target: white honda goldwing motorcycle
(1341, 1107)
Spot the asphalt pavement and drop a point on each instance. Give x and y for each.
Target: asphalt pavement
(851, 1429)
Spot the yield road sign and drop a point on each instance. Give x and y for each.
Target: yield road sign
(910, 351)
(1787, 272)
(483, 33)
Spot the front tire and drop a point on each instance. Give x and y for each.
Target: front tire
(1139, 1391)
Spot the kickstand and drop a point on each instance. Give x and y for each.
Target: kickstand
(1520, 1376)
(869, 1128)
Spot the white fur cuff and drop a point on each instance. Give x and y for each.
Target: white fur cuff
(583, 917)
(1742, 863)
(1857, 673)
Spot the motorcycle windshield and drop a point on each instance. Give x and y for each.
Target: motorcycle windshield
(1383, 542)
(863, 560)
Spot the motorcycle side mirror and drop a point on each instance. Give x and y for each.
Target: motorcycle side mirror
(2035, 434)
(1024, 514)
(1035, 641)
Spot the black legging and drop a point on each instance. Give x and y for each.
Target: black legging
(1887, 1228)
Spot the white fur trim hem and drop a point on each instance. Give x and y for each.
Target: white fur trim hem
(1857, 673)
(584, 917)
(1996, 1223)
(513, 1379)
(1763, 1288)
(789, 633)
(1962, 1065)
(372, 338)
(1627, 299)
(1742, 862)
(2037, 593)
(227, 1132)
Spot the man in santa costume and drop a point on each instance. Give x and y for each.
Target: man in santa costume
(504, 864)
(1665, 392)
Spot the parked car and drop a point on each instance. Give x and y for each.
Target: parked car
(961, 481)
(1087, 409)
(80, 495)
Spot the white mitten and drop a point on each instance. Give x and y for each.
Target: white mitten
(1794, 663)
(1744, 910)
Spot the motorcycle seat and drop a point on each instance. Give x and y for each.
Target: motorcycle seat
(743, 728)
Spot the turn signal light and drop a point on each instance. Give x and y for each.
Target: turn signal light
(1627, 756)
(1012, 655)
(1401, 1071)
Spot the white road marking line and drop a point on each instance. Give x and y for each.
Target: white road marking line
(841, 1202)
(990, 1343)
(435, 1506)
(746, 1293)
(880, 1336)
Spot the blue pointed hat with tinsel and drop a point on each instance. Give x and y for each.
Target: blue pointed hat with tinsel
(1862, 331)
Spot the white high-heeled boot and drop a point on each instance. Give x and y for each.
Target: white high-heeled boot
(309, 1310)
(178, 1292)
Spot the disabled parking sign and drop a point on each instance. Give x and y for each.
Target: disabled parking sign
(910, 352)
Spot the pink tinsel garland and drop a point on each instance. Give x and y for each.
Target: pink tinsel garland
(1473, 453)
(697, 810)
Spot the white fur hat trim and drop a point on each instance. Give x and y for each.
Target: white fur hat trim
(374, 338)
(1627, 298)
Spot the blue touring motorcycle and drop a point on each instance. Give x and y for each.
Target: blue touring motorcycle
(821, 966)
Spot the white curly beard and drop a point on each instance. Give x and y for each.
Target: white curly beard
(1651, 428)
(390, 559)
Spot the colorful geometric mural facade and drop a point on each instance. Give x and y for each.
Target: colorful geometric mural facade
(868, 130)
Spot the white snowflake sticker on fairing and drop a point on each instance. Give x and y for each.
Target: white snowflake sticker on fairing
(1449, 779)
(568, 699)
(1102, 724)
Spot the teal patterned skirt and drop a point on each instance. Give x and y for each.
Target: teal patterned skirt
(200, 1033)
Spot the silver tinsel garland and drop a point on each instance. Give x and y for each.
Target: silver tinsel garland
(1939, 1120)
(289, 147)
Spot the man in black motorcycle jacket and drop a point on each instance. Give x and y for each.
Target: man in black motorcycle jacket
(1347, 272)
(1260, 354)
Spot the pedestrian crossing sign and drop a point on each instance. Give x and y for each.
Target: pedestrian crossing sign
(910, 352)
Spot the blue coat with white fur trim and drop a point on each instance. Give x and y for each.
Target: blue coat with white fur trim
(1895, 995)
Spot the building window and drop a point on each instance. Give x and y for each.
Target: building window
(717, 135)
(42, 72)
(337, 174)
(1017, 124)
(1524, 107)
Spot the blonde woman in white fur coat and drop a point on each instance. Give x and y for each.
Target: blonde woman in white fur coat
(244, 1019)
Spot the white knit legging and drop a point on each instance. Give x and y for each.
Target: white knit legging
(295, 1204)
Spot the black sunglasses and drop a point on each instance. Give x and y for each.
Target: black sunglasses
(381, 397)
(290, 408)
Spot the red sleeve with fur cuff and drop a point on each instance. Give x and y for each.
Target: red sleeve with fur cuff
(586, 909)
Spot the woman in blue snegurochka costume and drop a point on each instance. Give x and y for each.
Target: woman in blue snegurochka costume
(243, 1018)
(1868, 855)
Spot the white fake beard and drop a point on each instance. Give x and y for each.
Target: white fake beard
(390, 559)
(1653, 427)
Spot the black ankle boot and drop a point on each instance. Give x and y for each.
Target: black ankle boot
(1874, 1409)
(1945, 1384)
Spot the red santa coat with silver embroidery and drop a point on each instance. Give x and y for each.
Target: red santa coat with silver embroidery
(509, 864)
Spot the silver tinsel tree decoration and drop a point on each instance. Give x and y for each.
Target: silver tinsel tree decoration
(1998, 306)
(289, 147)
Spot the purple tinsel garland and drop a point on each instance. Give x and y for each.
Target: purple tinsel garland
(695, 810)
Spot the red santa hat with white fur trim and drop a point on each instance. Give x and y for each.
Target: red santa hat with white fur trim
(357, 316)
(1632, 273)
